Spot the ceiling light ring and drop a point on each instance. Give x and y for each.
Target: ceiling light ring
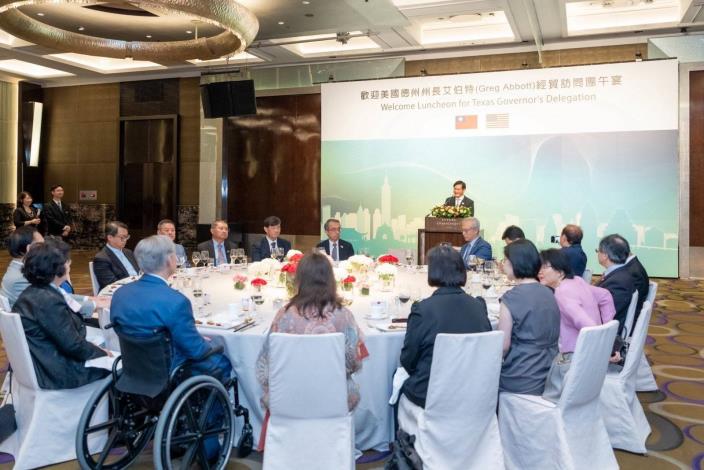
(239, 24)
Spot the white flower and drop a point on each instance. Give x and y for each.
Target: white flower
(257, 269)
(359, 263)
(339, 273)
(291, 253)
(386, 269)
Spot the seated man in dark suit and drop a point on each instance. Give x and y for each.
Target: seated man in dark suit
(458, 199)
(167, 309)
(218, 246)
(56, 215)
(512, 233)
(612, 254)
(339, 250)
(263, 249)
(571, 243)
(114, 261)
(475, 244)
(641, 281)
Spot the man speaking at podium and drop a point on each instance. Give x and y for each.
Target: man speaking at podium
(458, 199)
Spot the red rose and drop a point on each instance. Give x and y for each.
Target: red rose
(258, 282)
(388, 259)
(289, 268)
(349, 280)
(295, 258)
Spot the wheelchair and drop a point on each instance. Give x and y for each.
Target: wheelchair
(181, 414)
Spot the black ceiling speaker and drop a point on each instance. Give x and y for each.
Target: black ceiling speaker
(224, 99)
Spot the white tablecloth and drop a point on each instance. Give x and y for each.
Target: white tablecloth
(373, 415)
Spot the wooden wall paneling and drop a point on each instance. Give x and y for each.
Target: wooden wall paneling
(189, 140)
(696, 158)
(273, 164)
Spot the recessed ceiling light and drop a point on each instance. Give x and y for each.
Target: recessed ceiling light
(40, 14)
(81, 28)
(281, 23)
(149, 36)
(188, 31)
(305, 2)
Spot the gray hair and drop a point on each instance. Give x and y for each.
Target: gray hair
(153, 252)
(615, 247)
(473, 222)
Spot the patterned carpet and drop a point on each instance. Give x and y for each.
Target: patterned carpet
(675, 347)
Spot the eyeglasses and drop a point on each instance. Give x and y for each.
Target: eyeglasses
(124, 238)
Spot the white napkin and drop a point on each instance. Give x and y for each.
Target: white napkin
(400, 377)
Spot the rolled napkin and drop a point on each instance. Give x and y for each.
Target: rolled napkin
(400, 377)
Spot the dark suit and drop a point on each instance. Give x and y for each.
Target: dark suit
(108, 268)
(56, 218)
(641, 282)
(480, 249)
(344, 249)
(620, 284)
(466, 202)
(57, 340)
(210, 247)
(577, 258)
(169, 309)
(263, 250)
(448, 310)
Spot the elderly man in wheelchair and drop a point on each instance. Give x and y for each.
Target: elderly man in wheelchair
(174, 385)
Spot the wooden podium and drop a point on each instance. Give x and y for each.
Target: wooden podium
(438, 230)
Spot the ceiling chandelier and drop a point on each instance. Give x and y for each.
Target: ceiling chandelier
(239, 25)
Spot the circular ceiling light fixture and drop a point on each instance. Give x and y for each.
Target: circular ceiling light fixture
(239, 25)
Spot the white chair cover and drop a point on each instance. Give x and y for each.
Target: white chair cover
(587, 275)
(622, 412)
(645, 380)
(46, 419)
(5, 304)
(310, 425)
(93, 279)
(539, 434)
(458, 428)
(630, 315)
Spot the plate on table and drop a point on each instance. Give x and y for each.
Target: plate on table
(388, 327)
(373, 318)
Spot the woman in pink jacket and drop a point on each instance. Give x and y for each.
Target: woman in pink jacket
(580, 304)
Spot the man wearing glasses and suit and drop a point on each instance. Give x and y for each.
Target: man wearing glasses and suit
(339, 250)
(114, 261)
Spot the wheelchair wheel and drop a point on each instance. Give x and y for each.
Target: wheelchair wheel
(197, 420)
(124, 432)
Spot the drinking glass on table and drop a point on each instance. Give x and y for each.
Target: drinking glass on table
(409, 257)
(488, 266)
(204, 256)
(472, 262)
(233, 256)
(180, 261)
(242, 257)
(277, 253)
(195, 257)
(486, 283)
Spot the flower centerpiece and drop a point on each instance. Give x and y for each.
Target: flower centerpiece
(387, 259)
(258, 283)
(387, 275)
(348, 283)
(359, 264)
(450, 212)
(294, 255)
(289, 270)
(240, 280)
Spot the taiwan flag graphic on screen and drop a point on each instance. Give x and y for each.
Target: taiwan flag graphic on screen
(466, 121)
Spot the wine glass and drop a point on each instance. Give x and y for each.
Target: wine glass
(233, 256)
(409, 257)
(486, 284)
(472, 262)
(488, 266)
(278, 253)
(195, 257)
(180, 261)
(204, 256)
(242, 257)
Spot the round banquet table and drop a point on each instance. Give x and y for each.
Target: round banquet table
(373, 416)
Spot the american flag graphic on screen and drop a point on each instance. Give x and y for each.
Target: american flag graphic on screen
(497, 121)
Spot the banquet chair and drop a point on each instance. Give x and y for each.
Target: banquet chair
(46, 419)
(5, 304)
(621, 410)
(310, 425)
(458, 427)
(587, 275)
(630, 316)
(93, 279)
(645, 380)
(569, 434)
